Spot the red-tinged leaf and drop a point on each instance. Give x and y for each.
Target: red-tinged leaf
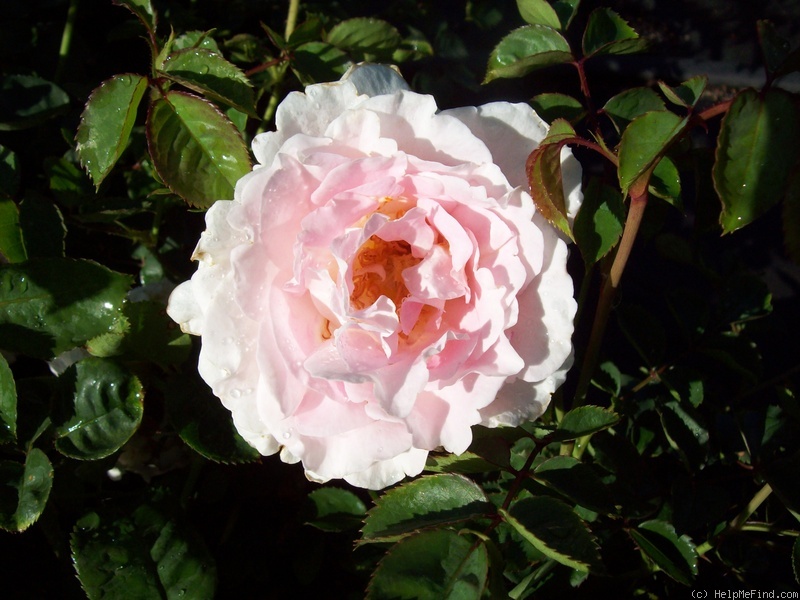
(106, 123)
(686, 94)
(143, 9)
(757, 153)
(196, 150)
(422, 503)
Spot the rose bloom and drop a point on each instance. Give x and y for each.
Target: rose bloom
(381, 281)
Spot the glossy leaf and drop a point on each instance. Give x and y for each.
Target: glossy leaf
(208, 73)
(204, 424)
(425, 502)
(27, 101)
(687, 93)
(756, 154)
(432, 565)
(674, 555)
(414, 46)
(103, 414)
(319, 61)
(307, 31)
(643, 143)
(685, 433)
(554, 529)
(365, 38)
(336, 509)
(24, 490)
(465, 463)
(9, 172)
(12, 246)
(599, 222)
(147, 554)
(48, 306)
(626, 106)
(196, 150)
(8, 403)
(608, 33)
(538, 12)
(543, 169)
(558, 106)
(195, 39)
(143, 9)
(665, 182)
(566, 10)
(583, 421)
(106, 123)
(526, 49)
(576, 481)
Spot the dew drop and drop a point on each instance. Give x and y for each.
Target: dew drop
(286, 435)
(236, 393)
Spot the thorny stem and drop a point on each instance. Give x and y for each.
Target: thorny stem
(66, 40)
(592, 115)
(521, 475)
(738, 522)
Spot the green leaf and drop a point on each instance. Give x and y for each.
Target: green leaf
(425, 502)
(8, 403)
(526, 49)
(42, 227)
(432, 565)
(106, 123)
(9, 172)
(686, 94)
(365, 38)
(415, 46)
(208, 73)
(319, 61)
(307, 31)
(147, 554)
(104, 412)
(626, 106)
(687, 436)
(665, 182)
(583, 421)
(558, 106)
(195, 39)
(24, 490)
(143, 9)
(336, 509)
(153, 336)
(756, 155)
(556, 531)
(68, 182)
(774, 48)
(538, 12)
(566, 10)
(576, 481)
(599, 222)
(51, 305)
(543, 169)
(11, 245)
(674, 555)
(196, 150)
(608, 33)
(465, 463)
(643, 143)
(27, 101)
(204, 424)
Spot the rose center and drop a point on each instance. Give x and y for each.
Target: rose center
(378, 271)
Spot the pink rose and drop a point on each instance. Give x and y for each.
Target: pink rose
(381, 281)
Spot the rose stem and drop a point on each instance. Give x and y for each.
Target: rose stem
(739, 520)
(66, 40)
(607, 294)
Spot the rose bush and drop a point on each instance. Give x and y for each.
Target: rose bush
(381, 281)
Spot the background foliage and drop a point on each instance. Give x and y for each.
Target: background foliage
(669, 459)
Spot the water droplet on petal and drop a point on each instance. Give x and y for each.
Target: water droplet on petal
(235, 393)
